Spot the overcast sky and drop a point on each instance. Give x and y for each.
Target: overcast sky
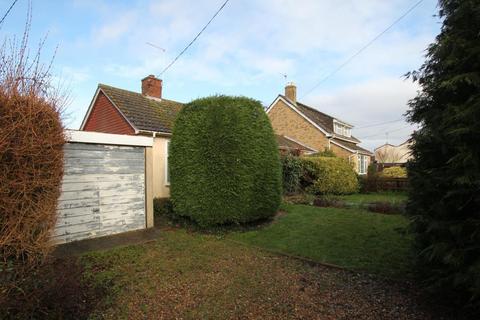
(244, 51)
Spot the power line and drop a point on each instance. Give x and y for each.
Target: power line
(379, 124)
(8, 11)
(194, 39)
(386, 132)
(363, 48)
(155, 46)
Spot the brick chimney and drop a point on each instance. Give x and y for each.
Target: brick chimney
(291, 92)
(152, 87)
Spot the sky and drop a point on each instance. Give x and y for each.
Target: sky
(246, 51)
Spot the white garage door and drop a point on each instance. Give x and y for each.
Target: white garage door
(103, 191)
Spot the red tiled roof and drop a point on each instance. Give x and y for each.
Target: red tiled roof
(143, 112)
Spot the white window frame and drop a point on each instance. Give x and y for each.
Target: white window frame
(362, 164)
(167, 165)
(342, 129)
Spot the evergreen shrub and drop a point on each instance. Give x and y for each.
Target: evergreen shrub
(394, 172)
(444, 175)
(291, 173)
(224, 162)
(330, 175)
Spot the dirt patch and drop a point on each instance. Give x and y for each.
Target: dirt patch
(106, 242)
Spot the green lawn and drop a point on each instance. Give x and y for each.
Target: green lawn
(393, 197)
(351, 238)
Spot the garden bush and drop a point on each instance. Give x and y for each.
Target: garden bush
(31, 170)
(369, 182)
(394, 172)
(324, 153)
(162, 207)
(31, 155)
(330, 176)
(309, 173)
(300, 198)
(224, 162)
(291, 173)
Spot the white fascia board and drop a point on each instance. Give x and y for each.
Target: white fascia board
(297, 111)
(365, 153)
(345, 139)
(302, 144)
(113, 104)
(155, 133)
(107, 138)
(89, 110)
(272, 104)
(342, 146)
(346, 124)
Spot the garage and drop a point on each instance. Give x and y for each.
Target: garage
(106, 186)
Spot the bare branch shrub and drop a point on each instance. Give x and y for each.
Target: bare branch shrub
(387, 154)
(31, 157)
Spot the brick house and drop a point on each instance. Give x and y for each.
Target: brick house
(119, 111)
(316, 130)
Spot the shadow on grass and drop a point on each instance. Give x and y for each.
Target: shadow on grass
(171, 221)
(56, 289)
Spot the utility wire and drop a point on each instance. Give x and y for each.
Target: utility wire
(379, 124)
(363, 48)
(383, 132)
(194, 39)
(8, 11)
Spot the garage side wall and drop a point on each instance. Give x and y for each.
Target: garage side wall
(161, 186)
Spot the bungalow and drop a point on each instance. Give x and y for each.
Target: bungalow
(316, 130)
(119, 111)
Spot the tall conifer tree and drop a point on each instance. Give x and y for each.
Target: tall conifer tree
(445, 173)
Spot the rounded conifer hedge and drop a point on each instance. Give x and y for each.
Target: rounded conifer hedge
(224, 162)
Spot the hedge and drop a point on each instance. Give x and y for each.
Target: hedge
(224, 162)
(394, 172)
(292, 172)
(31, 170)
(329, 175)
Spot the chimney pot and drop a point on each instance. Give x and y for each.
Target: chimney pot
(291, 92)
(152, 86)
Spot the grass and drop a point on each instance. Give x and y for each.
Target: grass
(350, 238)
(192, 276)
(359, 198)
(185, 275)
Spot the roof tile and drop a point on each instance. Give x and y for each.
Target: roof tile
(143, 112)
(321, 119)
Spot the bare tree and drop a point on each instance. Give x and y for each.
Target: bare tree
(387, 154)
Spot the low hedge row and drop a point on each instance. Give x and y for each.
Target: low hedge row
(318, 175)
(394, 172)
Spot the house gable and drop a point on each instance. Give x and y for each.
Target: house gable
(103, 116)
(288, 122)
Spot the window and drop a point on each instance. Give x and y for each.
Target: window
(167, 166)
(362, 164)
(342, 129)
